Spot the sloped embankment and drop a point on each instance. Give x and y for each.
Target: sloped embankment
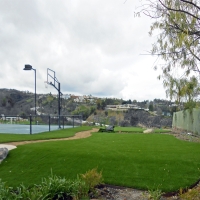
(144, 118)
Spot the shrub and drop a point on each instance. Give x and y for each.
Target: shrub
(92, 178)
(55, 187)
(154, 194)
(80, 189)
(34, 193)
(191, 194)
(4, 191)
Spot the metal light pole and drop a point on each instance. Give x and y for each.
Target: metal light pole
(29, 67)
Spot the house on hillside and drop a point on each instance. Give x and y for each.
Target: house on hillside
(123, 107)
(76, 99)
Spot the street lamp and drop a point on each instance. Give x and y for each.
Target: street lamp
(29, 67)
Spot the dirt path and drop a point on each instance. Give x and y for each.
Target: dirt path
(79, 135)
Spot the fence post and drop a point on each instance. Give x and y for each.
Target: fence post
(81, 117)
(63, 121)
(30, 124)
(73, 121)
(49, 123)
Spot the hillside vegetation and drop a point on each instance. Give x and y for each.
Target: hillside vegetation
(94, 110)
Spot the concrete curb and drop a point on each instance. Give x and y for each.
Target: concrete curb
(8, 146)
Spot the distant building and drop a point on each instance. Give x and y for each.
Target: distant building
(83, 99)
(123, 107)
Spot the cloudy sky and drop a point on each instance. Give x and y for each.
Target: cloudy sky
(94, 47)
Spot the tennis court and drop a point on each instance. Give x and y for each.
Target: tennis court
(25, 129)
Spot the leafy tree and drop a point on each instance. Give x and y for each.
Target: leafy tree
(92, 109)
(127, 102)
(134, 101)
(182, 90)
(22, 115)
(3, 102)
(177, 23)
(101, 104)
(151, 107)
(84, 110)
(191, 89)
(106, 113)
(98, 105)
(174, 89)
(98, 102)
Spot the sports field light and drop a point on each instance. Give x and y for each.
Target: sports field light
(29, 67)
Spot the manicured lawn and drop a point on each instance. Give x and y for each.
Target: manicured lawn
(63, 133)
(129, 129)
(137, 130)
(144, 161)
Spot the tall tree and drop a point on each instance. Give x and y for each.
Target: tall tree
(191, 91)
(178, 25)
(182, 90)
(174, 89)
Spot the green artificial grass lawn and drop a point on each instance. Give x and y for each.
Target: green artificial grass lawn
(63, 133)
(143, 161)
(129, 129)
(138, 130)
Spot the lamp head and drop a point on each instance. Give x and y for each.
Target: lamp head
(28, 67)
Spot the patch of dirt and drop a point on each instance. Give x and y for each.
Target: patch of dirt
(110, 192)
(181, 135)
(79, 135)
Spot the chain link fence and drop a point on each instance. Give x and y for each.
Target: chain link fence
(39, 123)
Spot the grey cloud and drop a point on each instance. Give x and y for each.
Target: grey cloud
(93, 46)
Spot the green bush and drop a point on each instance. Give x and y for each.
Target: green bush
(34, 193)
(4, 191)
(92, 178)
(83, 189)
(154, 194)
(53, 187)
(190, 194)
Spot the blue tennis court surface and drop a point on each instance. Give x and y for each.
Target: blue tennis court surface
(25, 129)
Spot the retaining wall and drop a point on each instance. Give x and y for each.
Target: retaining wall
(187, 120)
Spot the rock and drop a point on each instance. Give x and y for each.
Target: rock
(148, 131)
(3, 153)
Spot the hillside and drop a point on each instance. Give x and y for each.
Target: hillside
(20, 103)
(132, 117)
(14, 102)
(106, 117)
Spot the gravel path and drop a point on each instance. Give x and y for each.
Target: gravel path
(79, 135)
